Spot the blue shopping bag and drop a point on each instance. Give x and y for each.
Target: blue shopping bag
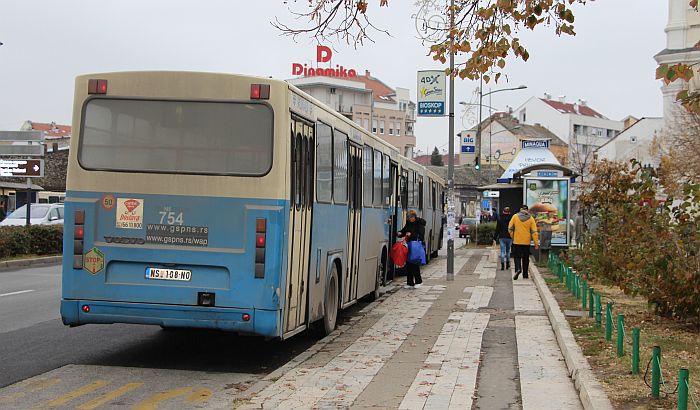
(416, 253)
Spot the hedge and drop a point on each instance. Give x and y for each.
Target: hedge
(485, 234)
(35, 240)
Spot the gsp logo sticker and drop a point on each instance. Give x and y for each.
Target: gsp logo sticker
(129, 213)
(94, 261)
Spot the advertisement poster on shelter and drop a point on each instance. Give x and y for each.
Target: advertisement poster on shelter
(548, 201)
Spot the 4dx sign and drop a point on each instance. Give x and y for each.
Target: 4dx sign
(431, 93)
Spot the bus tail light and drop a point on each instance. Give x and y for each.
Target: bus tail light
(97, 86)
(78, 239)
(260, 91)
(260, 242)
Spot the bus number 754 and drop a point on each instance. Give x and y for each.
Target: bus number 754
(170, 218)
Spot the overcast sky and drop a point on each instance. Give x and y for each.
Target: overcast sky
(48, 42)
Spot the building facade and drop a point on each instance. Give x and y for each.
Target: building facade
(501, 134)
(636, 142)
(387, 112)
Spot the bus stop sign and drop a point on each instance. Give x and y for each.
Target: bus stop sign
(26, 168)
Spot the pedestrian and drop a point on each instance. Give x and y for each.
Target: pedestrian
(523, 230)
(414, 230)
(494, 215)
(502, 236)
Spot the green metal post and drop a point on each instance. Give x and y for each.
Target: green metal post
(584, 294)
(598, 313)
(655, 371)
(608, 321)
(683, 389)
(591, 302)
(578, 286)
(620, 335)
(635, 350)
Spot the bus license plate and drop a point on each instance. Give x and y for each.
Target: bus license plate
(168, 274)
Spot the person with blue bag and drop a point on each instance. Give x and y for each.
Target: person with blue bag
(414, 232)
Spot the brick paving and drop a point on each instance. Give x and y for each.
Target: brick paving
(436, 347)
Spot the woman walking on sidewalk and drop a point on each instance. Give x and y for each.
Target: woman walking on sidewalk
(414, 230)
(503, 237)
(523, 229)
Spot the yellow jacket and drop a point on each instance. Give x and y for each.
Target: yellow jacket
(523, 229)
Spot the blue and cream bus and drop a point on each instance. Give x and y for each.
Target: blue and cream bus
(231, 202)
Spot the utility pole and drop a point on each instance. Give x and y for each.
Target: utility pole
(451, 156)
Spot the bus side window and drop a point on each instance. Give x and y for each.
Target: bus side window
(368, 175)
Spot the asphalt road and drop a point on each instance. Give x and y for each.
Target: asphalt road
(34, 341)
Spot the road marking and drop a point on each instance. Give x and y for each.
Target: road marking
(16, 293)
(31, 387)
(199, 395)
(155, 400)
(109, 396)
(82, 391)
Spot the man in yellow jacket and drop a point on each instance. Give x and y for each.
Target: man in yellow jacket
(523, 230)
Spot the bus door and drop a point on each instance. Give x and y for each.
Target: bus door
(302, 188)
(393, 221)
(354, 222)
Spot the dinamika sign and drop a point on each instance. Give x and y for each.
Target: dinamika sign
(323, 55)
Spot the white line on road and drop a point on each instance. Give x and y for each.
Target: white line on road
(16, 293)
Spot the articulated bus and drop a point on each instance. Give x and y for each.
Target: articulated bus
(229, 202)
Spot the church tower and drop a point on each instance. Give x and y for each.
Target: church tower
(682, 33)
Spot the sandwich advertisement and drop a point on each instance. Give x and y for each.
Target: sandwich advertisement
(548, 201)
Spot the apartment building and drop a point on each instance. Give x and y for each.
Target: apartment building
(387, 112)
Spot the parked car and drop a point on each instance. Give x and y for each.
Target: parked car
(463, 229)
(41, 214)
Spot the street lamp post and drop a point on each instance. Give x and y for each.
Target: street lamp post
(451, 159)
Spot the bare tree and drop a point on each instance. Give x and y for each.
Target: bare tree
(485, 33)
(679, 149)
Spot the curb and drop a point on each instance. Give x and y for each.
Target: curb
(24, 263)
(591, 392)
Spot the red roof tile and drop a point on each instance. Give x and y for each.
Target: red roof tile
(52, 129)
(379, 89)
(569, 108)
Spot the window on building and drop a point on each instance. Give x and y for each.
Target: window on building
(381, 127)
(324, 167)
(374, 126)
(523, 117)
(391, 128)
(340, 167)
(398, 129)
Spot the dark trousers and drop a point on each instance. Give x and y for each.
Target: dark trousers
(521, 253)
(413, 274)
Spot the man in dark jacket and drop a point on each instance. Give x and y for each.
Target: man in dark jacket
(414, 230)
(502, 236)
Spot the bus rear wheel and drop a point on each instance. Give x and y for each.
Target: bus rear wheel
(330, 302)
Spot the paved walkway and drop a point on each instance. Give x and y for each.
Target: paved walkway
(482, 341)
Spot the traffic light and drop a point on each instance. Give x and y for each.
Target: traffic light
(477, 166)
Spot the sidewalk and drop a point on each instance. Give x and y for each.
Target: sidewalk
(482, 339)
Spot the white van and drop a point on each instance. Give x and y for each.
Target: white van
(41, 214)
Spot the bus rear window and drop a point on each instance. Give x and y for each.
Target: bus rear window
(188, 137)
